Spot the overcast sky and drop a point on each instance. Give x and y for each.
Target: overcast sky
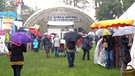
(42, 3)
(49, 3)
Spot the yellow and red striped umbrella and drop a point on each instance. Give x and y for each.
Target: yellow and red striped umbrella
(112, 23)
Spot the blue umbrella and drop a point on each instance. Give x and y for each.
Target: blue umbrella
(124, 31)
(20, 37)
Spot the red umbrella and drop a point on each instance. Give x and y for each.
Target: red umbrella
(49, 35)
(34, 31)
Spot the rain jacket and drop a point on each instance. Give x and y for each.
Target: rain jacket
(7, 37)
(35, 44)
(86, 44)
(110, 40)
(17, 57)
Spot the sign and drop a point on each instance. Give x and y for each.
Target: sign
(62, 18)
(7, 23)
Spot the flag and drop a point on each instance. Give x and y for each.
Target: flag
(19, 6)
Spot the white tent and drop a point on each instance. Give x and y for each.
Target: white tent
(130, 13)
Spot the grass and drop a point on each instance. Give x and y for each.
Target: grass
(36, 64)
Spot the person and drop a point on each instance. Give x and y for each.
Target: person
(124, 52)
(1, 42)
(109, 50)
(71, 53)
(47, 45)
(52, 40)
(56, 43)
(16, 57)
(35, 45)
(7, 39)
(39, 41)
(86, 46)
(79, 43)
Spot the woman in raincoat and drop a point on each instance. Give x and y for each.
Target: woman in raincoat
(35, 45)
(16, 57)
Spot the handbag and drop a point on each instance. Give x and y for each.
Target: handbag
(129, 72)
(105, 44)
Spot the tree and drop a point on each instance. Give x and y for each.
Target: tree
(127, 3)
(2, 5)
(10, 5)
(82, 4)
(27, 12)
(111, 9)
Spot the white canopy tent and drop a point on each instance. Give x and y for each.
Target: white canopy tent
(130, 14)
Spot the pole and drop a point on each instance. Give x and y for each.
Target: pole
(1, 23)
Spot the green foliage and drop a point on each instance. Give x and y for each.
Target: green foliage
(2, 4)
(36, 64)
(111, 9)
(9, 5)
(127, 3)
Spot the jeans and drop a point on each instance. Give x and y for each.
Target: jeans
(109, 58)
(84, 53)
(17, 69)
(70, 57)
(56, 51)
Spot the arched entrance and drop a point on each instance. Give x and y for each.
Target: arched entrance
(60, 16)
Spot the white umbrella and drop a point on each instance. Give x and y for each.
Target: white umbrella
(124, 31)
(91, 33)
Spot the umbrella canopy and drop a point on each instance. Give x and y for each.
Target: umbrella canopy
(53, 33)
(20, 37)
(35, 32)
(72, 36)
(112, 23)
(21, 30)
(82, 34)
(91, 33)
(107, 31)
(124, 31)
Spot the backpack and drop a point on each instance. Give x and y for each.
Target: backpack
(70, 45)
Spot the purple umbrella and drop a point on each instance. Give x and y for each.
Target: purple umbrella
(20, 37)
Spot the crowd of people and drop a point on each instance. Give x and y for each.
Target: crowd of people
(114, 55)
(117, 51)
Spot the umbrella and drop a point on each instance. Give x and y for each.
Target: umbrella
(72, 36)
(112, 23)
(107, 31)
(21, 30)
(20, 37)
(35, 32)
(91, 33)
(49, 35)
(124, 31)
(82, 34)
(53, 33)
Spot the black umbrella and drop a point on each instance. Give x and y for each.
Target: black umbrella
(21, 30)
(72, 36)
(53, 33)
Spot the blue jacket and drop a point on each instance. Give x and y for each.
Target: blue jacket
(35, 44)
